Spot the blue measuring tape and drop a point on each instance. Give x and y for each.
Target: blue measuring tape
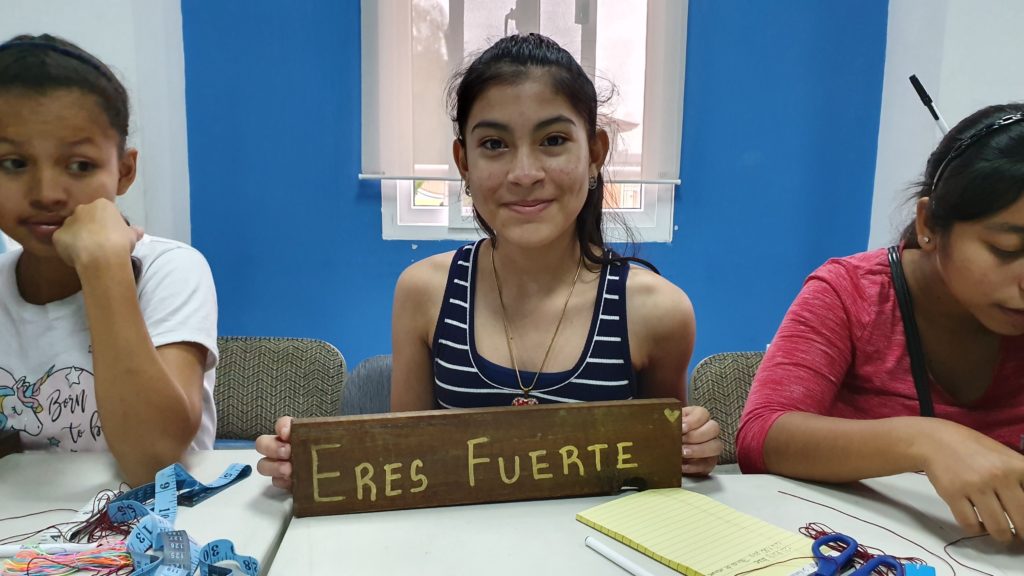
(155, 528)
(189, 490)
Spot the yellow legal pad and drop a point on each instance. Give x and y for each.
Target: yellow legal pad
(698, 536)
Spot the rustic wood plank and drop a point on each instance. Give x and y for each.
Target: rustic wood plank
(444, 457)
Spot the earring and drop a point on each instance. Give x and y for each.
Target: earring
(925, 239)
(592, 183)
(468, 193)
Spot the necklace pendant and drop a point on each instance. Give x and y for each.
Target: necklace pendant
(524, 401)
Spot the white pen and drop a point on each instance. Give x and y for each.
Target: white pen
(9, 550)
(620, 560)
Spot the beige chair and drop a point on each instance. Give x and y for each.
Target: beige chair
(261, 378)
(721, 383)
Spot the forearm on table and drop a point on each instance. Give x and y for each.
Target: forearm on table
(827, 449)
(147, 417)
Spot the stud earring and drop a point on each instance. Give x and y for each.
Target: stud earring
(468, 193)
(592, 183)
(925, 239)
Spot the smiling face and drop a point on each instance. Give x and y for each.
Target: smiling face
(982, 263)
(57, 151)
(527, 160)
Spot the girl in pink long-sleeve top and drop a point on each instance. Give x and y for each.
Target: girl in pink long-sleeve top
(858, 384)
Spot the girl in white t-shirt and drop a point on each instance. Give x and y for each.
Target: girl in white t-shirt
(107, 336)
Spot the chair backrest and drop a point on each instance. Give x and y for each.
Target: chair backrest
(261, 378)
(368, 389)
(721, 383)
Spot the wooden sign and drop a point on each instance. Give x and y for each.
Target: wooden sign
(464, 456)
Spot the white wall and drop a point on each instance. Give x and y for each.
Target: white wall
(967, 54)
(141, 41)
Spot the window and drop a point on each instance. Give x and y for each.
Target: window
(633, 49)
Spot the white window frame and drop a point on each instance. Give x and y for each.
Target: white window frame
(664, 79)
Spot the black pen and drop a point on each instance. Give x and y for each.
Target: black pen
(927, 101)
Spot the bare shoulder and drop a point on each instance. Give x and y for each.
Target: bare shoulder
(425, 279)
(652, 296)
(418, 296)
(657, 309)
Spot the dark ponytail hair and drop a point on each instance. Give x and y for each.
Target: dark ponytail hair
(511, 60)
(46, 63)
(977, 170)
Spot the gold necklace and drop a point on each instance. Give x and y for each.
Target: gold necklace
(525, 398)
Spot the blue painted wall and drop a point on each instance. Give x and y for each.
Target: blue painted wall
(294, 240)
(781, 121)
(780, 133)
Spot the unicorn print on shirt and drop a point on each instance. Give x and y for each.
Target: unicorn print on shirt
(19, 403)
(58, 410)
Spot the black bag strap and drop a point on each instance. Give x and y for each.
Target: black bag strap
(917, 365)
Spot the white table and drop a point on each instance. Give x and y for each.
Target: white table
(906, 504)
(543, 537)
(251, 513)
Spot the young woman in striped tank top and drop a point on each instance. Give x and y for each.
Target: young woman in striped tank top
(541, 310)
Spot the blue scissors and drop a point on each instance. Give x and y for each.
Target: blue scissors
(838, 564)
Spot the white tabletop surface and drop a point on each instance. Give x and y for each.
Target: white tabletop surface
(251, 513)
(543, 537)
(905, 504)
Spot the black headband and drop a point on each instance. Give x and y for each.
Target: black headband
(70, 53)
(970, 139)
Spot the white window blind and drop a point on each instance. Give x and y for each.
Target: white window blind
(633, 49)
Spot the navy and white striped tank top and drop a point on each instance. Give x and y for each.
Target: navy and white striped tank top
(465, 379)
